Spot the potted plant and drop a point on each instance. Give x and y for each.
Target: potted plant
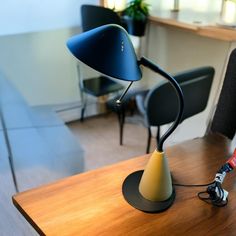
(135, 17)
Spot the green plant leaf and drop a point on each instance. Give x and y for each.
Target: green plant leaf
(137, 9)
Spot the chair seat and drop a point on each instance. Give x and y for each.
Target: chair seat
(99, 86)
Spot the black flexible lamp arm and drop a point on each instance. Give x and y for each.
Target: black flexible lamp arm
(145, 62)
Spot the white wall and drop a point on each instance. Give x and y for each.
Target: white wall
(40, 65)
(39, 15)
(33, 48)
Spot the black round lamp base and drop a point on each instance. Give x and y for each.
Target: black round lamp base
(130, 189)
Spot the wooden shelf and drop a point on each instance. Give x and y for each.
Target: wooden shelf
(211, 31)
(182, 21)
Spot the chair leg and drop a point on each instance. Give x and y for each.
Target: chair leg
(149, 140)
(82, 114)
(84, 103)
(121, 119)
(132, 107)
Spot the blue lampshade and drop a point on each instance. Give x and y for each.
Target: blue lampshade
(107, 49)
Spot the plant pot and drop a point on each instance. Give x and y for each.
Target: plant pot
(133, 26)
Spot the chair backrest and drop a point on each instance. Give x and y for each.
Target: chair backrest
(162, 103)
(94, 16)
(224, 120)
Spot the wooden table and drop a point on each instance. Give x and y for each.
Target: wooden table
(92, 203)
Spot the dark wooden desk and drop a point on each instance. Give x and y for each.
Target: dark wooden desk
(92, 203)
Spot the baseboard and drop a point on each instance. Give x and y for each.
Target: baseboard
(71, 112)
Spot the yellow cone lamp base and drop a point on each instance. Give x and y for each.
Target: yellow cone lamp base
(150, 190)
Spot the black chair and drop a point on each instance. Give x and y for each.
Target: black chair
(94, 16)
(223, 121)
(159, 106)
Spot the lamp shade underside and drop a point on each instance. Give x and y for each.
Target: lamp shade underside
(107, 49)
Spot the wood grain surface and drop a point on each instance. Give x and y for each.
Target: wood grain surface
(92, 203)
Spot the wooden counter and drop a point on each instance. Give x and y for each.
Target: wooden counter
(211, 30)
(182, 20)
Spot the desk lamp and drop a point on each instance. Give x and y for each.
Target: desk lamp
(108, 49)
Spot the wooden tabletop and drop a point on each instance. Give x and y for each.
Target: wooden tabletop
(92, 203)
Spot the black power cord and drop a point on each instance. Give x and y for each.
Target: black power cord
(214, 193)
(192, 185)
